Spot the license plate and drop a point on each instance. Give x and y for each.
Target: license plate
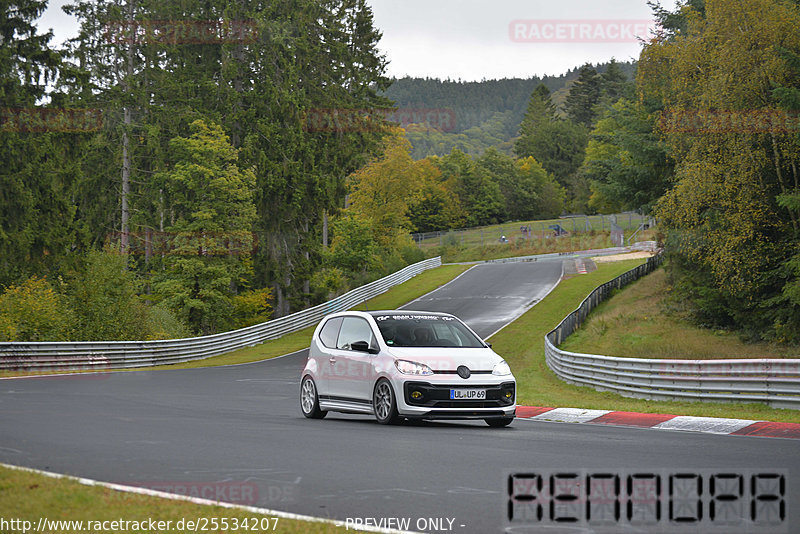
(468, 394)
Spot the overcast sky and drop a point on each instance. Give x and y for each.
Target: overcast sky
(477, 39)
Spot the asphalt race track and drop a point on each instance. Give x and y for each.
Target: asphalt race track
(491, 295)
(236, 434)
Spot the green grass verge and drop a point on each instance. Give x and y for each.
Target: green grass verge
(521, 343)
(30, 496)
(421, 284)
(641, 322)
(459, 253)
(453, 251)
(487, 235)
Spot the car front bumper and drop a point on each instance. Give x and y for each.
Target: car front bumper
(432, 397)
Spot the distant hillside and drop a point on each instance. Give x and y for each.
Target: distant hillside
(473, 116)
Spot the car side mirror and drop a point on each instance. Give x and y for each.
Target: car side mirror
(489, 345)
(363, 346)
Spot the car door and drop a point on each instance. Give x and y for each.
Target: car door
(351, 376)
(323, 351)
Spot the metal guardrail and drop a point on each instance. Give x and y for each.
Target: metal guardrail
(482, 235)
(103, 355)
(772, 381)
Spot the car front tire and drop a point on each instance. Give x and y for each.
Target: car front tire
(384, 404)
(498, 422)
(309, 400)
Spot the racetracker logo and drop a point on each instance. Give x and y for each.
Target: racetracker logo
(340, 120)
(179, 32)
(232, 492)
(581, 31)
(738, 121)
(42, 120)
(187, 243)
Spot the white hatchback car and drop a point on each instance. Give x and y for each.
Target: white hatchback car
(405, 364)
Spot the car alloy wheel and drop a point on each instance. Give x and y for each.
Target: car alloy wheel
(384, 404)
(309, 401)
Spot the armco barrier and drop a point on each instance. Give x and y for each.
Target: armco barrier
(773, 381)
(102, 355)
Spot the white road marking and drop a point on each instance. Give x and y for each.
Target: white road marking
(198, 500)
(711, 425)
(569, 415)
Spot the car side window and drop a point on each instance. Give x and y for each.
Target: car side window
(354, 329)
(330, 332)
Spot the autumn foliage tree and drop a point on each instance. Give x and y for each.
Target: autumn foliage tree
(372, 233)
(732, 218)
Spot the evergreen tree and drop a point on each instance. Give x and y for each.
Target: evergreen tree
(559, 146)
(583, 96)
(305, 55)
(211, 199)
(37, 151)
(626, 160)
(615, 84)
(540, 112)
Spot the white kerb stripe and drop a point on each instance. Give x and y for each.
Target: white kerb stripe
(711, 425)
(569, 415)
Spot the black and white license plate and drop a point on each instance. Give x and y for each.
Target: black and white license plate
(467, 394)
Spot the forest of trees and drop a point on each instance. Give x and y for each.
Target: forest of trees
(486, 113)
(240, 161)
(198, 165)
(706, 138)
(551, 128)
(224, 152)
(724, 81)
(708, 141)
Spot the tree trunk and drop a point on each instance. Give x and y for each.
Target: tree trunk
(126, 153)
(324, 229)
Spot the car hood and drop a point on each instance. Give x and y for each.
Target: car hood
(448, 358)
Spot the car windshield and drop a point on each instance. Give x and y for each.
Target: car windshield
(414, 330)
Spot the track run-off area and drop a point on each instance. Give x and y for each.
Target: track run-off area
(239, 429)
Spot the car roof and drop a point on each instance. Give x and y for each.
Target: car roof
(407, 312)
(385, 313)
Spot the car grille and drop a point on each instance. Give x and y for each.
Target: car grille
(438, 396)
(456, 372)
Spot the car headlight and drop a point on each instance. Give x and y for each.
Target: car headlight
(501, 369)
(412, 368)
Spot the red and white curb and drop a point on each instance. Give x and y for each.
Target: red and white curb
(708, 425)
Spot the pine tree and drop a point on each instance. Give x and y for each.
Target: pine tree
(583, 96)
(208, 256)
(615, 83)
(36, 146)
(540, 111)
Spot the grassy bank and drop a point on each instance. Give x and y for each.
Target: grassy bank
(452, 251)
(521, 343)
(487, 235)
(640, 322)
(458, 253)
(30, 497)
